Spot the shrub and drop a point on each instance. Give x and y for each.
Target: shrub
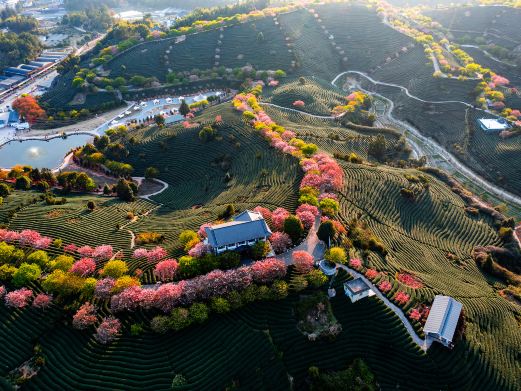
(23, 183)
(293, 227)
(316, 278)
(26, 273)
(179, 319)
(198, 313)
(220, 305)
(259, 250)
(336, 255)
(115, 268)
(326, 231)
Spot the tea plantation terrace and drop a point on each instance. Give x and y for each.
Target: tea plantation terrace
(246, 229)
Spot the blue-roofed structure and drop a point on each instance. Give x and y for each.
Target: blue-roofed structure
(443, 319)
(246, 229)
(11, 71)
(13, 117)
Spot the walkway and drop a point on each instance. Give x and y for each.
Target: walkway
(424, 344)
(312, 244)
(140, 180)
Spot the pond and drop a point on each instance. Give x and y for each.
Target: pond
(40, 153)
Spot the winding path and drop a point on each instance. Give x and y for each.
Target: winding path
(312, 244)
(415, 137)
(424, 344)
(140, 179)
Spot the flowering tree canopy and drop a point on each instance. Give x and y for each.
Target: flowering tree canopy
(108, 330)
(18, 298)
(42, 301)
(303, 261)
(84, 267)
(84, 317)
(280, 241)
(166, 270)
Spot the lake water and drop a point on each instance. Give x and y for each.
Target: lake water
(40, 153)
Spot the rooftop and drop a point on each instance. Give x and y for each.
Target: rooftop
(493, 124)
(356, 286)
(245, 226)
(443, 317)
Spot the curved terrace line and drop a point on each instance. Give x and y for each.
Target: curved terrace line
(437, 148)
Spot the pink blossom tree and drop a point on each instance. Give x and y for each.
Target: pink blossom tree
(156, 254)
(103, 253)
(280, 241)
(166, 270)
(84, 267)
(140, 253)
(401, 297)
(355, 263)
(85, 251)
(129, 299)
(385, 286)
(85, 316)
(42, 301)
(415, 314)
(199, 250)
(299, 103)
(108, 330)
(19, 298)
(168, 296)
(371, 273)
(201, 232)
(277, 218)
(70, 248)
(265, 212)
(2, 291)
(104, 288)
(303, 261)
(267, 270)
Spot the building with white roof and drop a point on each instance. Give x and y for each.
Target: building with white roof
(246, 229)
(443, 319)
(493, 124)
(357, 289)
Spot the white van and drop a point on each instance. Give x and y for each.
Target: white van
(21, 126)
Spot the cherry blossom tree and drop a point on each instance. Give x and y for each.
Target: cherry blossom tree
(267, 270)
(85, 251)
(156, 254)
(299, 103)
(43, 243)
(415, 314)
(278, 216)
(108, 330)
(85, 316)
(104, 287)
(280, 241)
(401, 297)
(355, 263)
(166, 270)
(103, 253)
(28, 237)
(18, 298)
(371, 273)
(199, 250)
(202, 230)
(42, 301)
(265, 212)
(385, 286)
(70, 248)
(2, 291)
(84, 267)
(168, 296)
(129, 299)
(140, 253)
(303, 261)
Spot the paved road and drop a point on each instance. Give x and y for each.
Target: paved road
(312, 244)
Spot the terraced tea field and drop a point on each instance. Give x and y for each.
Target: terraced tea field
(318, 96)
(498, 25)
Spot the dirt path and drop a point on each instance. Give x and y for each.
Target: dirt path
(140, 180)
